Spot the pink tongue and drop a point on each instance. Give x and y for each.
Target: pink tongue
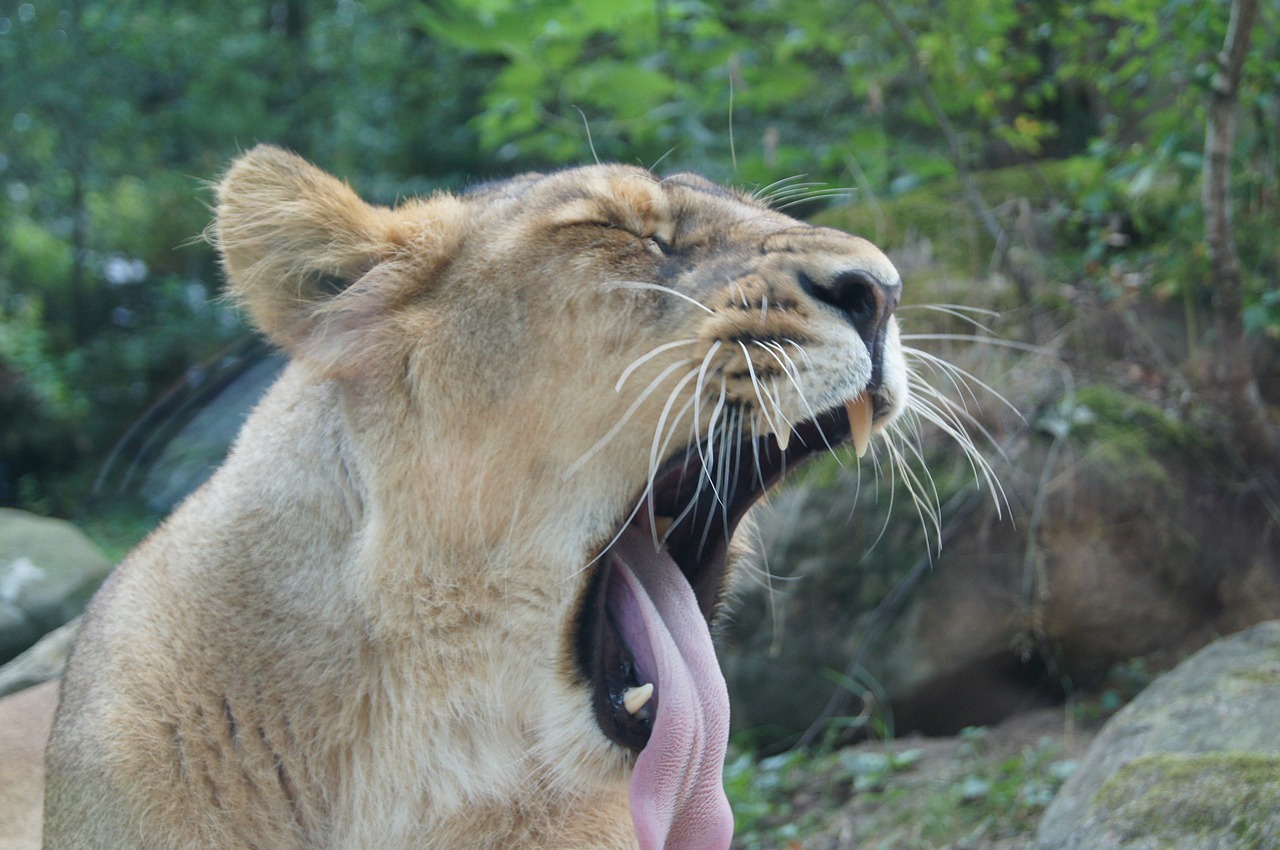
(677, 789)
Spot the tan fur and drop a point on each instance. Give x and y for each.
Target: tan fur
(359, 633)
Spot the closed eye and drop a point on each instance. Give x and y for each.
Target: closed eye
(663, 247)
(652, 241)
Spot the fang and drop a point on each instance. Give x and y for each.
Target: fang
(635, 699)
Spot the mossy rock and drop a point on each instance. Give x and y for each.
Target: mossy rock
(1113, 413)
(1192, 764)
(48, 571)
(1177, 800)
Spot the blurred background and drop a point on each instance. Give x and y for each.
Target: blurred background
(1082, 232)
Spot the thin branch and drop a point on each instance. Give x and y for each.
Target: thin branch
(1232, 371)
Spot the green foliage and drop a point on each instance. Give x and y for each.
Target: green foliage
(30, 380)
(1103, 413)
(1124, 681)
(114, 112)
(758, 792)
(1264, 314)
(799, 87)
(34, 253)
(118, 527)
(988, 796)
(1007, 797)
(1143, 219)
(912, 798)
(764, 793)
(45, 438)
(935, 210)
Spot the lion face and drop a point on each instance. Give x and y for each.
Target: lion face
(575, 385)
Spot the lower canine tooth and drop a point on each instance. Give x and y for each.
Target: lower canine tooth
(860, 411)
(634, 699)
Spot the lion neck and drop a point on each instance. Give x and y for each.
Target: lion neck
(414, 627)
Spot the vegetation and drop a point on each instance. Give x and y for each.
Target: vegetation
(116, 113)
(897, 796)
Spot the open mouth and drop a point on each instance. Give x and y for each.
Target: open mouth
(644, 636)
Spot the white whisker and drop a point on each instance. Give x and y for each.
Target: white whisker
(954, 309)
(823, 195)
(927, 514)
(657, 452)
(732, 474)
(955, 412)
(765, 193)
(755, 386)
(702, 379)
(755, 450)
(965, 377)
(626, 416)
(657, 287)
(946, 420)
(712, 428)
(792, 372)
(941, 369)
(644, 358)
(659, 160)
(964, 314)
(976, 340)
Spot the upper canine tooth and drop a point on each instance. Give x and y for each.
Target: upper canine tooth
(662, 524)
(860, 411)
(783, 437)
(634, 699)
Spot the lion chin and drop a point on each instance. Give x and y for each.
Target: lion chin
(455, 584)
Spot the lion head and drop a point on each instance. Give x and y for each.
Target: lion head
(577, 383)
(474, 540)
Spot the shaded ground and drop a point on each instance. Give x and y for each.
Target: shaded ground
(982, 790)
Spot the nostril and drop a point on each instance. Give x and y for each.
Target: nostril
(855, 294)
(852, 293)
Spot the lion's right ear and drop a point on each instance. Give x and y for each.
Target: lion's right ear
(291, 238)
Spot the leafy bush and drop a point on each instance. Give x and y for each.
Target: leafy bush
(113, 116)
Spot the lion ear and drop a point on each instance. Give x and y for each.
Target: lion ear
(292, 237)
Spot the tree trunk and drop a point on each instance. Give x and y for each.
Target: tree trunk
(1232, 372)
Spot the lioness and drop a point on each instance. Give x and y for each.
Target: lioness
(453, 586)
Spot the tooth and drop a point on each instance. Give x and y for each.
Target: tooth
(859, 411)
(662, 524)
(783, 437)
(634, 699)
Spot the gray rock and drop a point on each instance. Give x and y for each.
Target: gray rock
(17, 632)
(43, 661)
(1124, 562)
(191, 455)
(1192, 764)
(48, 571)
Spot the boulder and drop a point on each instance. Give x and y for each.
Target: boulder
(42, 662)
(1192, 764)
(48, 571)
(16, 631)
(190, 454)
(1109, 545)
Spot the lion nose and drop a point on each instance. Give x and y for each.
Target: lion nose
(865, 301)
